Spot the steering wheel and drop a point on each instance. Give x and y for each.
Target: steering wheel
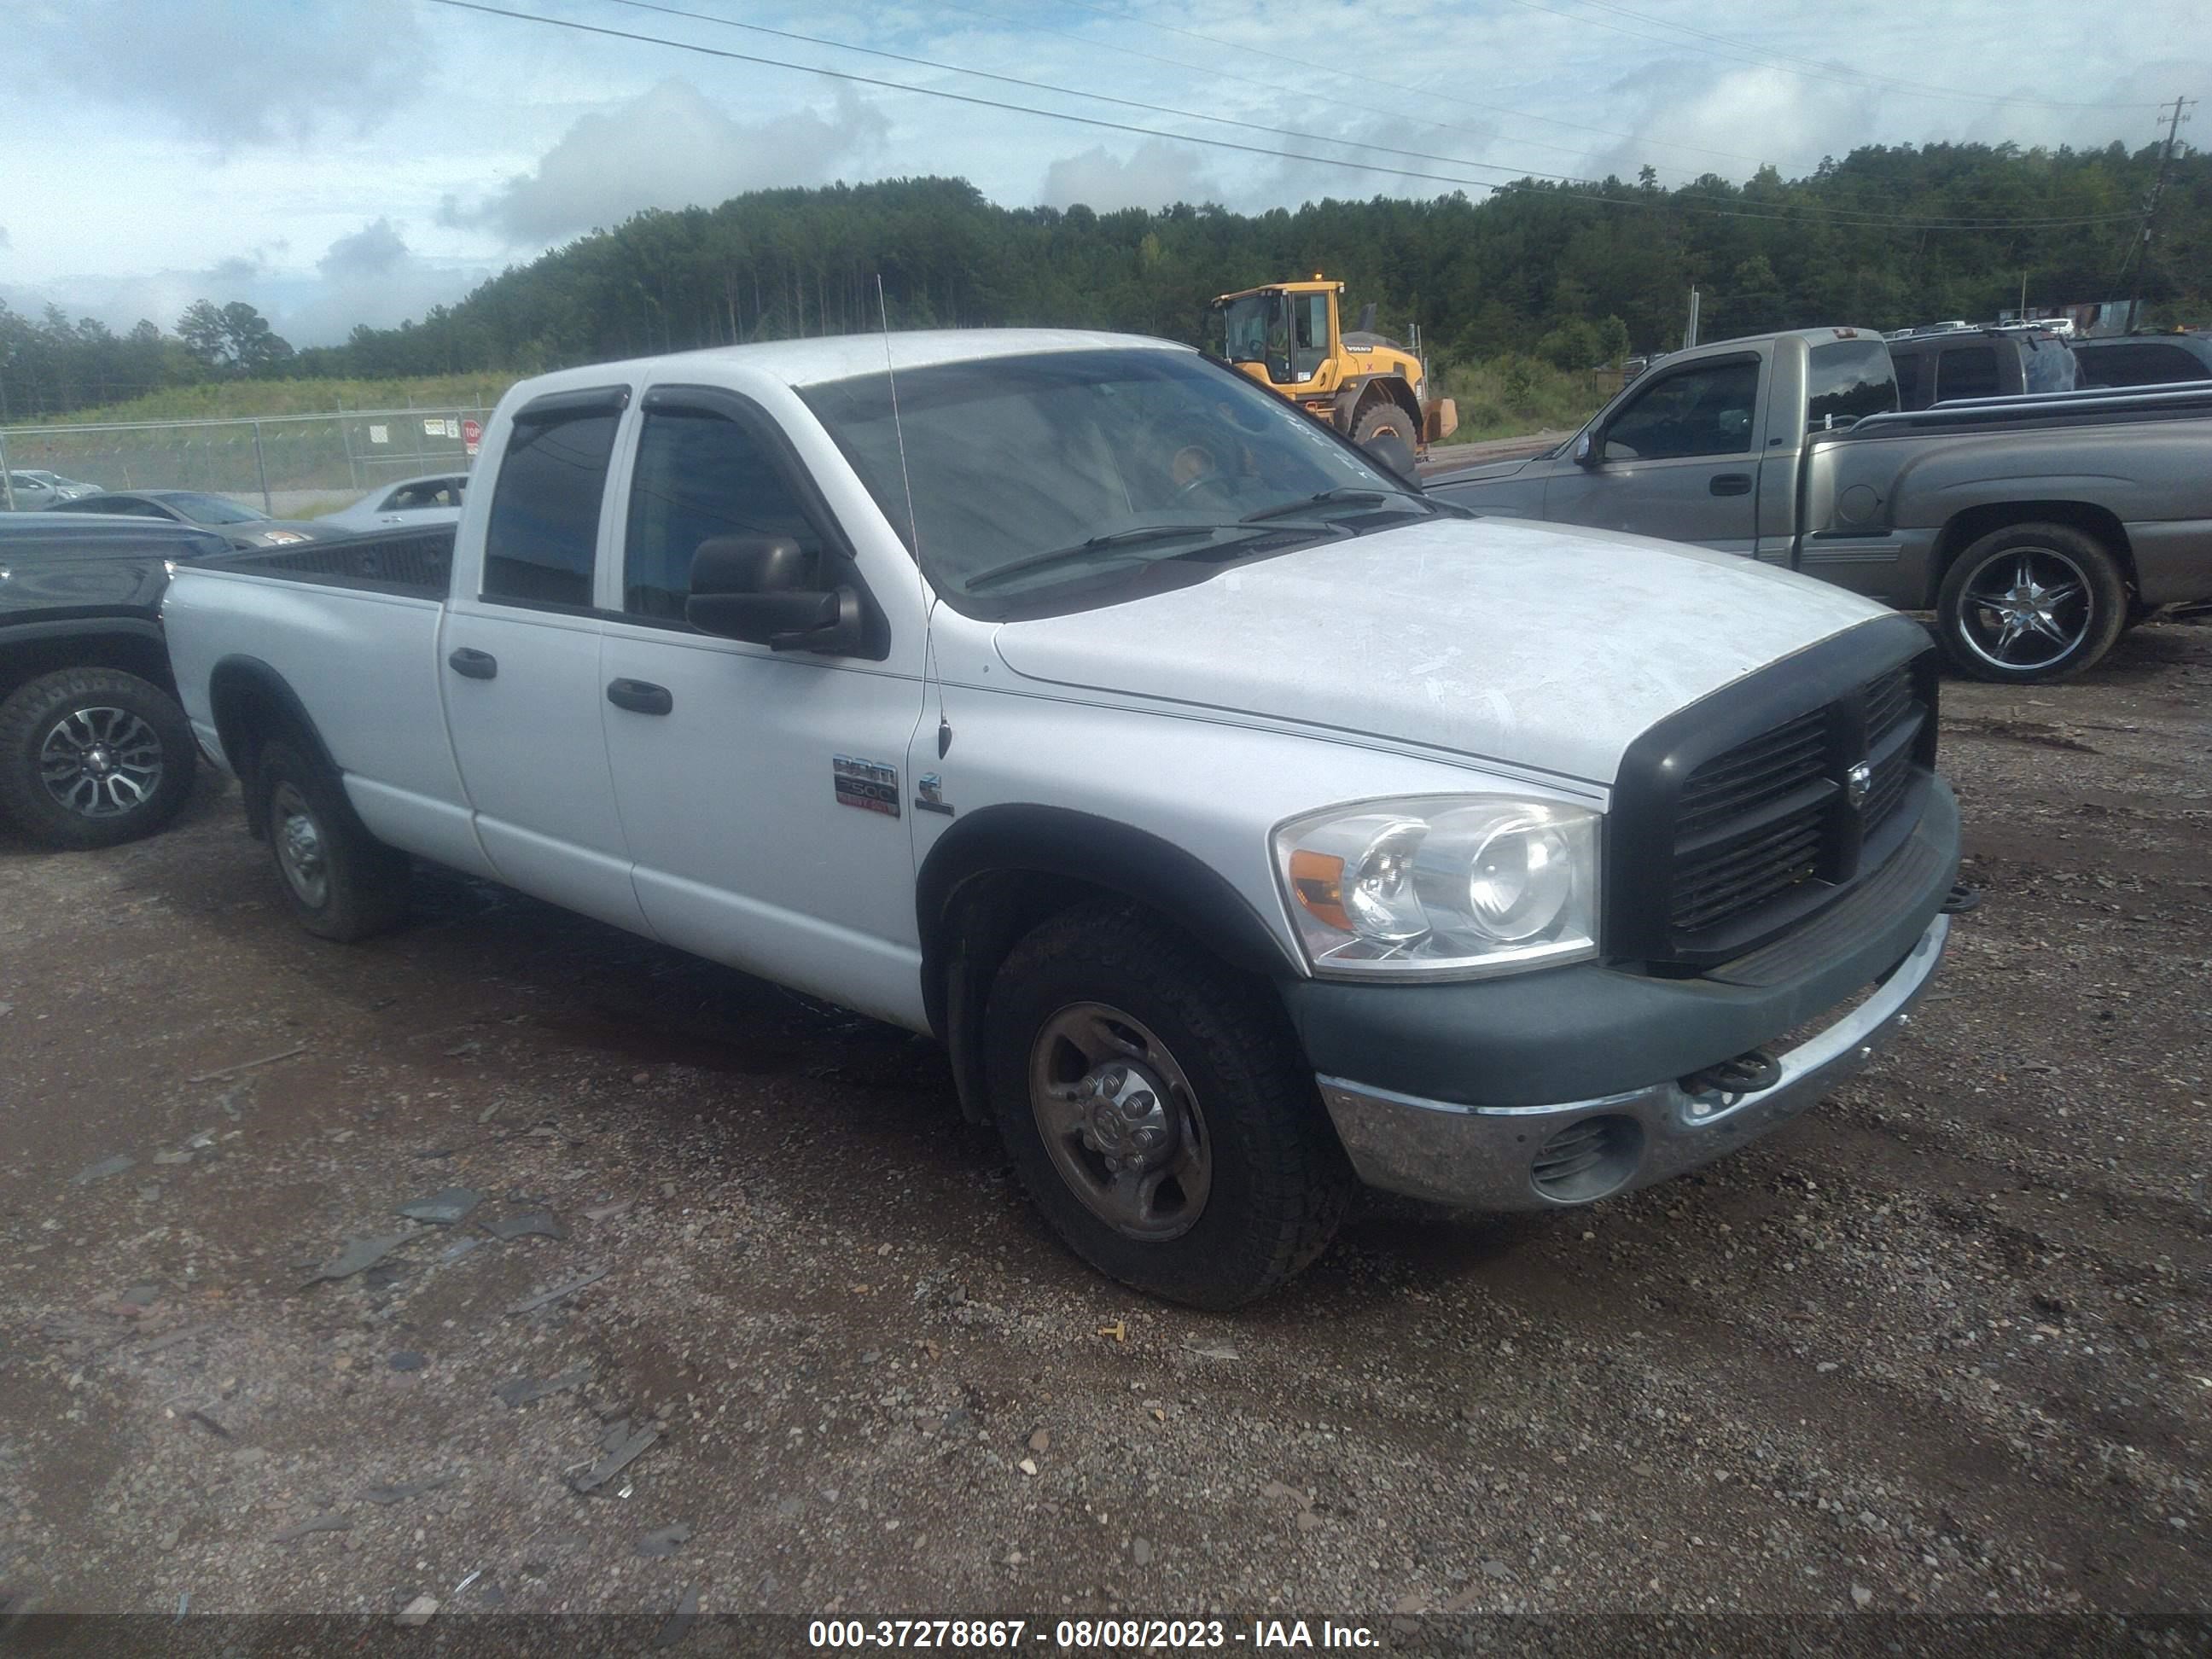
(1209, 474)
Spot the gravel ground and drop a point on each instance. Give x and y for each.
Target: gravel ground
(1942, 1346)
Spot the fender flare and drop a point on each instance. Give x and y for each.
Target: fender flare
(964, 935)
(1354, 394)
(235, 681)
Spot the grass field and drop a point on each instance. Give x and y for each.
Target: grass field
(1508, 397)
(249, 399)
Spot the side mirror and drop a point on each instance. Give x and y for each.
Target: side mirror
(765, 589)
(1587, 450)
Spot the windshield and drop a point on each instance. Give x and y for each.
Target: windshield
(1015, 461)
(1248, 330)
(209, 509)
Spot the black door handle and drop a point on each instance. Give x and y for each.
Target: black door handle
(639, 696)
(473, 665)
(1731, 483)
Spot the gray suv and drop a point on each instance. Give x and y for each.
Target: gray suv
(1980, 363)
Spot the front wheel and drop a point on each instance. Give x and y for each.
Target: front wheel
(1157, 1111)
(92, 757)
(339, 882)
(2030, 603)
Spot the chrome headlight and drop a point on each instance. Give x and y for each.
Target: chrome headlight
(1441, 886)
(280, 538)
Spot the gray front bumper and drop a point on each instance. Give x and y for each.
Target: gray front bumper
(1485, 1157)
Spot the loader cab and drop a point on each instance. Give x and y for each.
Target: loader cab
(1284, 337)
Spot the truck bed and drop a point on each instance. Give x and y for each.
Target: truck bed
(416, 562)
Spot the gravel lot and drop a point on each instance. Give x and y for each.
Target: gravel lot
(1942, 1346)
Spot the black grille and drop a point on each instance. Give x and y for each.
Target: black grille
(1758, 821)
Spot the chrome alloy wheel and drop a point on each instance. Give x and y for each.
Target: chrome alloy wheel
(299, 842)
(1118, 1118)
(101, 762)
(2026, 609)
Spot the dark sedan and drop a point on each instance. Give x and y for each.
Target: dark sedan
(242, 526)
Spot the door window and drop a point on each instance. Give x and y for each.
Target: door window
(2140, 365)
(544, 522)
(1967, 371)
(699, 475)
(1309, 334)
(1706, 410)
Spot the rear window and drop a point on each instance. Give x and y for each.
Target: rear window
(2046, 364)
(544, 527)
(1847, 381)
(1967, 371)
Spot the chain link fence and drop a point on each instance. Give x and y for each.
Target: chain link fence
(291, 466)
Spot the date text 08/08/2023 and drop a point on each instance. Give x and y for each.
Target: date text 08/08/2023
(1087, 1635)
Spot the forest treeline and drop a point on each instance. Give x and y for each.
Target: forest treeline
(1572, 272)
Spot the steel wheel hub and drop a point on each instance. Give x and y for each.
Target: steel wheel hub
(101, 762)
(299, 842)
(2028, 609)
(1118, 1118)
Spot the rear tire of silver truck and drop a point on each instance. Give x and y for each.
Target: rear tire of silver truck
(2031, 602)
(339, 882)
(1159, 1110)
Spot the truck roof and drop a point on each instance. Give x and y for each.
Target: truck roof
(842, 357)
(1811, 337)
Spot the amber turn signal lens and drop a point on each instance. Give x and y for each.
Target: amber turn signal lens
(1317, 879)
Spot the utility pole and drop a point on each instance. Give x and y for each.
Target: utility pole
(1690, 333)
(2150, 208)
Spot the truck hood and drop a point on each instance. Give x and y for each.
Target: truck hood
(1546, 647)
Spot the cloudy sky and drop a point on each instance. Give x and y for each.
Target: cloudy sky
(337, 161)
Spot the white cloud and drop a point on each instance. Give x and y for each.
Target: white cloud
(242, 72)
(670, 146)
(1155, 174)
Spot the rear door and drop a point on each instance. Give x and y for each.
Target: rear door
(520, 659)
(1678, 459)
(760, 790)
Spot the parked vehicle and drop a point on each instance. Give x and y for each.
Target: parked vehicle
(1373, 391)
(1240, 828)
(93, 749)
(2145, 360)
(409, 502)
(1988, 363)
(34, 489)
(241, 525)
(2036, 529)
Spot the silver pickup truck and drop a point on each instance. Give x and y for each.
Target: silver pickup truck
(2037, 529)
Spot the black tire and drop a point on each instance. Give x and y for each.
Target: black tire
(1276, 1182)
(1383, 415)
(1990, 586)
(92, 757)
(339, 881)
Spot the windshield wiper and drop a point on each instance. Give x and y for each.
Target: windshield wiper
(1343, 493)
(1134, 534)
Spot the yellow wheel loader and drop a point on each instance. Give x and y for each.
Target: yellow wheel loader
(1372, 390)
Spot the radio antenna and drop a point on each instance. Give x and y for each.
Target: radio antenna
(913, 530)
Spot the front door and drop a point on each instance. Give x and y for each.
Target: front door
(520, 659)
(762, 792)
(1677, 460)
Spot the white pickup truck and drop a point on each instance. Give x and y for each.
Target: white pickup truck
(1244, 824)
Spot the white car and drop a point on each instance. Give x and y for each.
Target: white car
(36, 490)
(1243, 822)
(410, 503)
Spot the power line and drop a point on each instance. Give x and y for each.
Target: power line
(1275, 89)
(1327, 68)
(1569, 194)
(1844, 214)
(1819, 70)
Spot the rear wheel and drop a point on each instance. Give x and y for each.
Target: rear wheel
(92, 757)
(2030, 603)
(1158, 1111)
(339, 881)
(1382, 416)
